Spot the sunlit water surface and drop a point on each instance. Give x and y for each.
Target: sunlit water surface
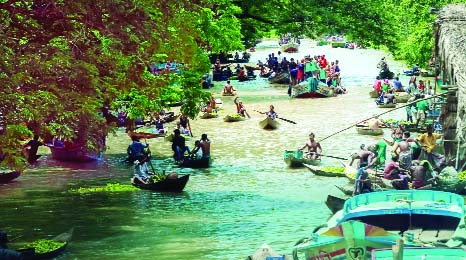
(246, 198)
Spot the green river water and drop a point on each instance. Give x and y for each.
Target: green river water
(248, 197)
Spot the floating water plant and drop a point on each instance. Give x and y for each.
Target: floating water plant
(42, 246)
(110, 187)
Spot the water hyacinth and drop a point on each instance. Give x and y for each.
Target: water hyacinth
(42, 246)
(110, 187)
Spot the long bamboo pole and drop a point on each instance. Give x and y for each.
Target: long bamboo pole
(388, 111)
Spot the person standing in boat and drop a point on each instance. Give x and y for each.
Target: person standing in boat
(205, 146)
(141, 172)
(428, 143)
(31, 148)
(136, 150)
(365, 158)
(313, 147)
(271, 113)
(184, 122)
(179, 146)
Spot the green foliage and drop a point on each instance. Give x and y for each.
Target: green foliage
(42, 246)
(110, 187)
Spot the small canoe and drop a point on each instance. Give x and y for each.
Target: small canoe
(145, 135)
(65, 238)
(373, 94)
(282, 78)
(269, 123)
(196, 163)
(369, 131)
(321, 171)
(334, 204)
(167, 185)
(228, 94)
(234, 118)
(297, 159)
(346, 191)
(6, 177)
(391, 105)
(209, 115)
(402, 97)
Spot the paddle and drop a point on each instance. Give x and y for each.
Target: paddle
(330, 156)
(148, 156)
(281, 118)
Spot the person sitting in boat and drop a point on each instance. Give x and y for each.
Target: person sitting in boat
(179, 146)
(228, 88)
(396, 174)
(228, 72)
(237, 69)
(250, 72)
(196, 153)
(240, 109)
(217, 66)
(389, 98)
(136, 150)
(415, 69)
(208, 108)
(397, 85)
(313, 147)
(271, 113)
(181, 129)
(375, 122)
(378, 85)
(242, 75)
(205, 146)
(31, 149)
(184, 121)
(422, 174)
(141, 172)
(236, 56)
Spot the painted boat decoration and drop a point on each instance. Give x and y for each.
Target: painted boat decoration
(369, 131)
(297, 159)
(423, 216)
(269, 123)
(426, 253)
(348, 240)
(8, 176)
(166, 185)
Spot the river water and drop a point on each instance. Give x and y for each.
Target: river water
(248, 197)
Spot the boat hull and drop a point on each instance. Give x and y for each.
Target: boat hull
(391, 105)
(316, 170)
(196, 163)
(167, 185)
(290, 47)
(369, 131)
(269, 123)
(9, 176)
(412, 253)
(282, 78)
(73, 154)
(209, 115)
(297, 159)
(373, 94)
(229, 118)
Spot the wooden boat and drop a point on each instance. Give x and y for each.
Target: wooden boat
(209, 115)
(346, 191)
(373, 94)
(282, 78)
(234, 118)
(170, 117)
(369, 131)
(176, 104)
(269, 123)
(334, 204)
(348, 240)
(196, 163)
(65, 238)
(167, 185)
(390, 105)
(429, 216)
(401, 97)
(290, 47)
(75, 154)
(322, 91)
(6, 177)
(320, 171)
(416, 253)
(145, 135)
(297, 159)
(350, 173)
(228, 94)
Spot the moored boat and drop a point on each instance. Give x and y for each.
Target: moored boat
(401, 97)
(234, 118)
(290, 47)
(297, 159)
(390, 105)
(166, 185)
(269, 123)
(196, 163)
(425, 253)
(348, 240)
(8, 176)
(338, 44)
(334, 204)
(43, 249)
(281, 78)
(369, 131)
(145, 135)
(429, 216)
(302, 91)
(326, 171)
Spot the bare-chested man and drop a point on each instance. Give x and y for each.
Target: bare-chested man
(205, 146)
(375, 123)
(228, 89)
(365, 158)
(403, 150)
(313, 147)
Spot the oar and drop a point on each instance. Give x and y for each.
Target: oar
(148, 156)
(247, 114)
(281, 118)
(330, 156)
